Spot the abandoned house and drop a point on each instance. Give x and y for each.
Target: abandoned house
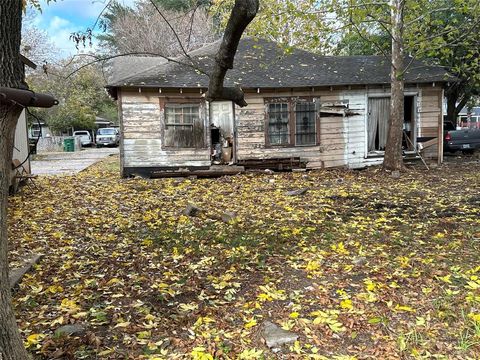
(304, 110)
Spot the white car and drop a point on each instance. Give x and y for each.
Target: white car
(85, 137)
(108, 137)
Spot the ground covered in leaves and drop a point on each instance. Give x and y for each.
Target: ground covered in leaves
(360, 267)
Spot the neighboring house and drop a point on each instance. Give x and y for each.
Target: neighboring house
(39, 130)
(102, 122)
(469, 118)
(303, 110)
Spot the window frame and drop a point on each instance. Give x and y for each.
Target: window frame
(291, 109)
(181, 102)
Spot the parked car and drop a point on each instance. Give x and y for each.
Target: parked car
(85, 137)
(108, 137)
(466, 140)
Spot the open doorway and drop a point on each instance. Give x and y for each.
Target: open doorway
(379, 119)
(409, 140)
(222, 132)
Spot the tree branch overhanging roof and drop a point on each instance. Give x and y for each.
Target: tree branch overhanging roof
(264, 64)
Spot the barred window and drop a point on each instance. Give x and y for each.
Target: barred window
(278, 124)
(305, 128)
(291, 123)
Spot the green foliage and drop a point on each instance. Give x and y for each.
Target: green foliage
(443, 32)
(352, 43)
(291, 23)
(447, 33)
(82, 97)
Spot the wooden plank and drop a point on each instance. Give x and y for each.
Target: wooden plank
(16, 275)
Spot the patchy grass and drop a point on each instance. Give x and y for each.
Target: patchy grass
(362, 266)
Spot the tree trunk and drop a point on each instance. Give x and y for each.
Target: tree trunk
(393, 150)
(242, 14)
(11, 75)
(457, 98)
(452, 97)
(11, 344)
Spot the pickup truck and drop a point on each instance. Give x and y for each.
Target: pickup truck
(466, 140)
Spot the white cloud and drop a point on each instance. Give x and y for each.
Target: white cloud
(58, 23)
(63, 17)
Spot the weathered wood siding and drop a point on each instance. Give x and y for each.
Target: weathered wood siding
(430, 114)
(343, 140)
(143, 129)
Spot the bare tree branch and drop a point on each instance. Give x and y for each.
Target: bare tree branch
(105, 58)
(171, 28)
(242, 14)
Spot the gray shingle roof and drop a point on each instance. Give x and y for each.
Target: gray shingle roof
(263, 64)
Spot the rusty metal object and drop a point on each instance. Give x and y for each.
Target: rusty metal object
(26, 98)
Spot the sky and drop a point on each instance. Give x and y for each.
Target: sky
(61, 18)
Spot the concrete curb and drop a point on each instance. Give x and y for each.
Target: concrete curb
(16, 275)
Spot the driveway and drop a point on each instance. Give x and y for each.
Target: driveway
(69, 163)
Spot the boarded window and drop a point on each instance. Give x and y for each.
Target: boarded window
(278, 124)
(183, 126)
(305, 119)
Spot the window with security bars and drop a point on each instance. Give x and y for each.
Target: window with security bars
(292, 123)
(183, 126)
(278, 124)
(305, 119)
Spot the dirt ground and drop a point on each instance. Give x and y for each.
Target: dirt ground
(362, 266)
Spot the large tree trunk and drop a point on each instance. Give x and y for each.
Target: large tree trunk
(457, 98)
(11, 75)
(393, 150)
(452, 97)
(242, 14)
(11, 344)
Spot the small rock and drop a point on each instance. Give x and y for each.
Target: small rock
(178, 181)
(275, 336)
(268, 171)
(228, 216)
(396, 174)
(297, 192)
(70, 330)
(359, 261)
(165, 344)
(271, 181)
(357, 277)
(340, 180)
(191, 210)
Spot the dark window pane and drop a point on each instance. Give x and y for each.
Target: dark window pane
(183, 127)
(305, 124)
(278, 127)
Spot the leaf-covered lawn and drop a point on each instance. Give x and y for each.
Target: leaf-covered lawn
(361, 266)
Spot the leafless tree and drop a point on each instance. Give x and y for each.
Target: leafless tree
(36, 44)
(146, 29)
